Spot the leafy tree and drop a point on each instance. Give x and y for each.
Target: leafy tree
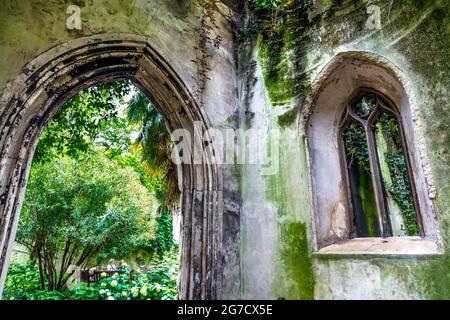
(81, 213)
(90, 117)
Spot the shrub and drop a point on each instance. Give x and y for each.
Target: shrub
(23, 283)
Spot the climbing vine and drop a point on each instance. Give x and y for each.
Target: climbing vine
(400, 187)
(356, 146)
(266, 4)
(163, 241)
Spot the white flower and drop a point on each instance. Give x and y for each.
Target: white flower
(157, 287)
(124, 294)
(102, 291)
(110, 298)
(103, 284)
(134, 289)
(143, 291)
(114, 283)
(103, 275)
(115, 275)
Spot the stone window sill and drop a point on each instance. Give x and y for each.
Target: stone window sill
(382, 247)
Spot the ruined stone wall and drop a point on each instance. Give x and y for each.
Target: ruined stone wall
(259, 84)
(172, 28)
(277, 229)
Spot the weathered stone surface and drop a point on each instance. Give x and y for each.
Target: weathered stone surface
(248, 232)
(413, 38)
(157, 55)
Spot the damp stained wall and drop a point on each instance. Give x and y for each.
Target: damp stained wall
(29, 28)
(268, 208)
(276, 253)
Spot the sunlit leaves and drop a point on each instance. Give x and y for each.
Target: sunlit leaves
(90, 208)
(83, 120)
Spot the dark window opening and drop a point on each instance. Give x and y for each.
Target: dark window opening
(380, 189)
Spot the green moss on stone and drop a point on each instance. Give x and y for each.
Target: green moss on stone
(367, 196)
(434, 278)
(294, 277)
(276, 72)
(296, 262)
(288, 118)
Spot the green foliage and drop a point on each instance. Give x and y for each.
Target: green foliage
(270, 4)
(88, 117)
(356, 145)
(128, 286)
(81, 210)
(155, 147)
(91, 190)
(93, 119)
(22, 279)
(400, 187)
(164, 238)
(365, 106)
(158, 284)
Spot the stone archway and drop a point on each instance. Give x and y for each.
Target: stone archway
(51, 80)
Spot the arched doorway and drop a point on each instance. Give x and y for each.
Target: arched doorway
(51, 80)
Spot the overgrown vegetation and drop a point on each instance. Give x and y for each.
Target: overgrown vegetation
(90, 118)
(396, 182)
(81, 213)
(282, 46)
(23, 283)
(101, 186)
(154, 146)
(361, 180)
(356, 146)
(398, 186)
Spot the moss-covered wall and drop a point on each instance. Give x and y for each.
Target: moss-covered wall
(415, 36)
(262, 86)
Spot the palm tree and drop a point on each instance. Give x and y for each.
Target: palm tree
(155, 145)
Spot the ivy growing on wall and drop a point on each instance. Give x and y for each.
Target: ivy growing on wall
(396, 182)
(269, 4)
(356, 146)
(399, 187)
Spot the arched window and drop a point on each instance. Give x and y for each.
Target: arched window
(380, 186)
(371, 186)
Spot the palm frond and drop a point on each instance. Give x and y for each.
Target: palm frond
(155, 144)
